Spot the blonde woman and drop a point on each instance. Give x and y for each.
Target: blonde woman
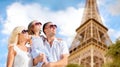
(18, 53)
(38, 50)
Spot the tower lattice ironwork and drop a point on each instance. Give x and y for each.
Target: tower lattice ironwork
(90, 44)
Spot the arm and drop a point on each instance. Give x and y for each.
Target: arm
(36, 57)
(63, 58)
(61, 63)
(11, 55)
(64, 55)
(39, 58)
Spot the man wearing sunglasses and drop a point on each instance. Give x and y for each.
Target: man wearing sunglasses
(57, 48)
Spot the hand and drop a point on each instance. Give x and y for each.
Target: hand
(44, 58)
(47, 65)
(40, 57)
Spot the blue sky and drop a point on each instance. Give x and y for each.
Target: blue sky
(66, 14)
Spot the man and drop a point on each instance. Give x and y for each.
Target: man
(57, 48)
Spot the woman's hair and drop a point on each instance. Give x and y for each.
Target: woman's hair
(30, 26)
(13, 39)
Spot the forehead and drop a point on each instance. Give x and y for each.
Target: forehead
(34, 22)
(20, 30)
(23, 29)
(49, 24)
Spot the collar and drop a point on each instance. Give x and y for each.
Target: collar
(55, 40)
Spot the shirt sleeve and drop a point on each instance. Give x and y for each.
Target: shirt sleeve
(33, 51)
(37, 47)
(64, 48)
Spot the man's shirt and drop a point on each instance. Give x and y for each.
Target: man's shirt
(57, 49)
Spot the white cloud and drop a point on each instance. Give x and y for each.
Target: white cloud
(114, 8)
(110, 6)
(18, 14)
(69, 41)
(67, 20)
(70, 20)
(114, 34)
(100, 2)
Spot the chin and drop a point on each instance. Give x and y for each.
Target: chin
(53, 34)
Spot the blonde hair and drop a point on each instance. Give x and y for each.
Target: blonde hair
(13, 39)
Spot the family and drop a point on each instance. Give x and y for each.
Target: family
(28, 48)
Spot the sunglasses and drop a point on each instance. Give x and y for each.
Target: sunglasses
(52, 26)
(24, 31)
(38, 23)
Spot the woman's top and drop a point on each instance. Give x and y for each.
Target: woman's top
(22, 58)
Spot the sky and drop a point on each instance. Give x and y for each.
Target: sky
(66, 14)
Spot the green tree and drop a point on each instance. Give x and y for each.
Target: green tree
(114, 53)
(74, 65)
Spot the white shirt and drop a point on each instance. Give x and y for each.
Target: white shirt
(22, 58)
(57, 49)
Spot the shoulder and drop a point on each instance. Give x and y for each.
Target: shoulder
(11, 46)
(43, 37)
(61, 41)
(11, 50)
(31, 36)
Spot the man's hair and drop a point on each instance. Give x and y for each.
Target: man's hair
(45, 26)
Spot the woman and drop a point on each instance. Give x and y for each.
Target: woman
(39, 52)
(18, 53)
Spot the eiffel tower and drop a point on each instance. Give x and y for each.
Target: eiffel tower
(91, 42)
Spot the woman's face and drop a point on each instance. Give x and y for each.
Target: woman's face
(24, 35)
(36, 26)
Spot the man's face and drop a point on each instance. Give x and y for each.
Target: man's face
(50, 29)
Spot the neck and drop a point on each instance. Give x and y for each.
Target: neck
(36, 33)
(22, 43)
(50, 39)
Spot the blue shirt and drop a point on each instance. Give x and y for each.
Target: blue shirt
(57, 49)
(38, 47)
